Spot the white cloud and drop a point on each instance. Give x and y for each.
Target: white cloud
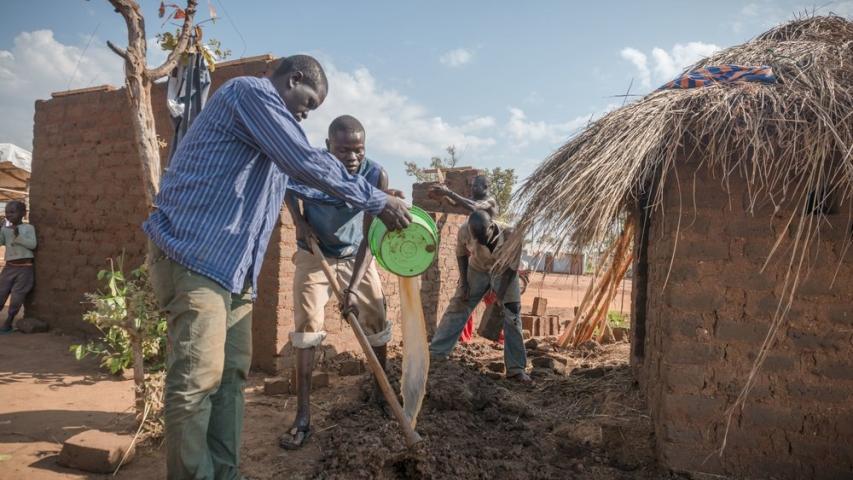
(640, 62)
(670, 64)
(478, 123)
(397, 127)
(38, 65)
(523, 131)
(666, 65)
(456, 57)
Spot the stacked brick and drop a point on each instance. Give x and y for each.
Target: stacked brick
(458, 179)
(537, 323)
(707, 326)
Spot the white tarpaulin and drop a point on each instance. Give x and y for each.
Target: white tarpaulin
(15, 167)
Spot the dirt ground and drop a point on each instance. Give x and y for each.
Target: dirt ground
(564, 292)
(587, 424)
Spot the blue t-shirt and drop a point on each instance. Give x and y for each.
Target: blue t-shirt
(339, 227)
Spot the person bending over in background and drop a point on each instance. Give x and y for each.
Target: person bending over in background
(481, 241)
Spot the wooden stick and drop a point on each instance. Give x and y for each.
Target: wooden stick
(577, 319)
(409, 433)
(616, 271)
(600, 291)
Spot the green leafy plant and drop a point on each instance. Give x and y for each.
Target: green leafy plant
(123, 309)
(617, 319)
(212, 51)
(502, 181)
(414, 170)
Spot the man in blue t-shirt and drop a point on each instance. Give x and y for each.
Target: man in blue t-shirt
(340, 232)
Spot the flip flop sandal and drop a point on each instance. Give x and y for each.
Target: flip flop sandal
(294, 439)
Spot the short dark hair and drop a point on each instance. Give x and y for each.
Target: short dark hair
(345, 123)
(311, 69)
(18, 204)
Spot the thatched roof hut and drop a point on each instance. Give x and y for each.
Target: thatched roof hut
(742, 198)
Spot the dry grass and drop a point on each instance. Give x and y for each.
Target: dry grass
(787, 139)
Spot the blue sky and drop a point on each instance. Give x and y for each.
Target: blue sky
(506, 82)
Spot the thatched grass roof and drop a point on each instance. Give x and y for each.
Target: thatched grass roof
(787, 139)
(799, 130)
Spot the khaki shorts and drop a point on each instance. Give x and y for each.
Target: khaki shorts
(311, 292)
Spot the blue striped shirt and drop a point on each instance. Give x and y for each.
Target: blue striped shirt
(222, 194)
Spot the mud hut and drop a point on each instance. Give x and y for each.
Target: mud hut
(740, 195)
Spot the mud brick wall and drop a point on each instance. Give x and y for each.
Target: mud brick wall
(86, 198)
(705, 328)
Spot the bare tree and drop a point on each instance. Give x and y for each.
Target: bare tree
(139, 78)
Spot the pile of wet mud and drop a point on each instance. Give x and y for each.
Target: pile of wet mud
(474, 424)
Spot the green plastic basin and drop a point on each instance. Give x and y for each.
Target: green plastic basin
(408, 252)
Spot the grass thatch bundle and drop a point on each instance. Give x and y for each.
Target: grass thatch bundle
(787, 139)
(798, 132)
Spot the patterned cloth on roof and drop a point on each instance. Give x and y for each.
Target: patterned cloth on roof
(704, 77)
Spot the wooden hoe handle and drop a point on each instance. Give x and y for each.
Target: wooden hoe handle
(409, 433)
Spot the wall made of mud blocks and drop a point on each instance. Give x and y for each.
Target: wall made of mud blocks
(86, 195)
(438, 284)
(706, 327)
(86, 200)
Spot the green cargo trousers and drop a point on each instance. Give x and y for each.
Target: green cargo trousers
(210, 339)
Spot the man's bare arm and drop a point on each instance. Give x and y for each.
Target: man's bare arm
(489, 204)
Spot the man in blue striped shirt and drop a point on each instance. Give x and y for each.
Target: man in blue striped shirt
(219, 201)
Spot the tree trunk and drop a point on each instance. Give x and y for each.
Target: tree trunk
(145, 134)
(138, 373)
(138, 79)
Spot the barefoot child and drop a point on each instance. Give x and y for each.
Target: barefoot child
(340, 232)
(16, 279)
